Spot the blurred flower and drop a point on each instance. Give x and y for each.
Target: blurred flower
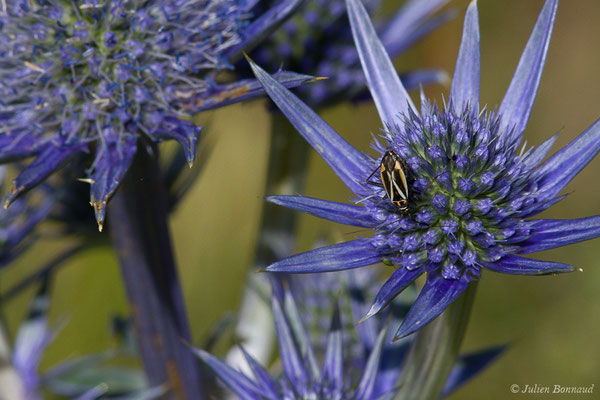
(317, 41)
(99, 76)
(371, 373)
(84, 377)
(302, 377)
(451, 193)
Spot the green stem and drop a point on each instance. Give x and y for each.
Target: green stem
(434, 351)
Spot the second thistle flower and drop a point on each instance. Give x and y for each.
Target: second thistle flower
(92, 76)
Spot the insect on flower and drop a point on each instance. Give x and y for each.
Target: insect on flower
(393, 179)
(477, 214)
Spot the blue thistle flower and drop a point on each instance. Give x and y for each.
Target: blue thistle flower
(302, 378)
(470, 192)
(371, 372)
(92, 76)
(318, 40)
(317, 294)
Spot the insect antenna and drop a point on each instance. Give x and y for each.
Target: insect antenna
(432, 181)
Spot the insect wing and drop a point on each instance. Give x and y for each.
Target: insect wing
(399, 179)
(387, 179)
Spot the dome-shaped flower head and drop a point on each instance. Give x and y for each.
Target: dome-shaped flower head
(318, 39)
(99, 76)
(451, 192)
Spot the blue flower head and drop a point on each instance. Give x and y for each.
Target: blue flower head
(94, 76)
(367, 367)
(302, 377)
(317, 40)
(452, 192)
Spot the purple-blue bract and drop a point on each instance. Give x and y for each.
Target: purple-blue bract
(472, 190)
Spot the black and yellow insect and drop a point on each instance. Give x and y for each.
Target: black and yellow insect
(393, 179)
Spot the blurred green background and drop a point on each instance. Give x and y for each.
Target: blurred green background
(552, 323)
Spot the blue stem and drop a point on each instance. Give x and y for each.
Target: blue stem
(140, 234)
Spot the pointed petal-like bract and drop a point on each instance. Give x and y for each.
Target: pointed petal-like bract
(390, 96)
(366, 386)
(333, 361)
(290, 359)
(394, 285)
(268, 386)
(424, 76)
(51, 156)
(413, 21)
(465, 83)
(17, 144)
(347, 162)
(537, 154)
(239, 383)
(17, 236)
(518, 100)
(299, 331)
(512, 264)
(562, 166)
(33, 337)
(185, 132)
(337, 257)
(549, 234)
(347, 214)
(223, 95)
(260, 28)
(110, 167)
(437, 294)
(469, 365)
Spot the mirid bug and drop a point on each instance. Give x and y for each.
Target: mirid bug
(393, 179)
